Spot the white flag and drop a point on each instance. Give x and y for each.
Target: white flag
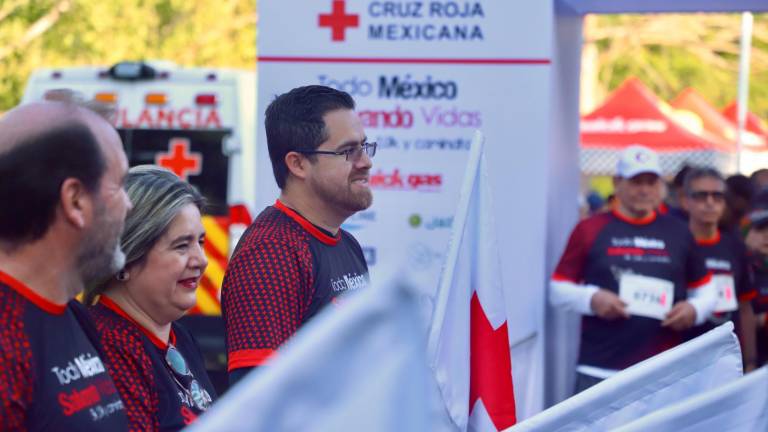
(699, 365)
(468, 346)
(739, 406)
(358, 367)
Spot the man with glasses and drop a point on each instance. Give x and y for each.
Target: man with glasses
(724, 254)
(295, 259)
(635, 276)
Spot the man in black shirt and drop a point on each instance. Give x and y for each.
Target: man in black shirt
(634, 274)
(724, 253)
(295, 259)
(63, 207)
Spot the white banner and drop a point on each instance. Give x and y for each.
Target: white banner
(739, 406)
(699, 365)
(359, 367)
(424, 76)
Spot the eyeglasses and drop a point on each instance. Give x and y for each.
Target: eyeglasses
(351, 154)
(185, 380)
(701, 196)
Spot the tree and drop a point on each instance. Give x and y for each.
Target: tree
(55, 33)
(673, 51)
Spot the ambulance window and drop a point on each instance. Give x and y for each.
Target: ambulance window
(196, 155)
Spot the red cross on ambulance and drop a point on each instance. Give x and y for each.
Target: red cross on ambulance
(180, 159)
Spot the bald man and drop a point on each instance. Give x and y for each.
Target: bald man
(61, 214)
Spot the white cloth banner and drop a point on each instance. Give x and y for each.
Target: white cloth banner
(468, 346)
(360, 366)
(738, 406)
(699, 365)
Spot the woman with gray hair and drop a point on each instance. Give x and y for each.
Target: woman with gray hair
(155, 363)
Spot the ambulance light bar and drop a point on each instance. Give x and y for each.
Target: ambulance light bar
(106, 97)
(132, 71)
(205, 99)
(156, 99)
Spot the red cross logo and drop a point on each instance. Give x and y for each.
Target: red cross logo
(179, 159)
(338, 20)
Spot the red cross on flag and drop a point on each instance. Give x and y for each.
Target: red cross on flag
(468, 346)
(180, 159)
(338, 21)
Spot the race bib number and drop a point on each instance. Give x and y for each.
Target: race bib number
(646, 296)
(726, 293)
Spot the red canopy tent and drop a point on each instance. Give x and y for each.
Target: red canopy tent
(634, 115)
(716, 125)
(753, 124)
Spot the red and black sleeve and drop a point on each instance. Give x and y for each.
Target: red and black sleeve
(16, 386)
(265, 295)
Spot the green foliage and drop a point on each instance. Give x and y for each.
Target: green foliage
(672, 52)
(95, 32)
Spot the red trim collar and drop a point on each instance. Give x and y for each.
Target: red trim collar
(308, 226)
(715, 239)
(35, 298)
(114, 307)
(635, 221)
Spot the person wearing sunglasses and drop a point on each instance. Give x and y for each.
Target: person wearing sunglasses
(724, 253)
(295, 259)
(634, 274)
(155, 363)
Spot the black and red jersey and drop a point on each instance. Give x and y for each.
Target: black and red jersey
(284, 270)
(605, 246)
(155, 398)
(758, 266)
(725, 254)
(51, 375)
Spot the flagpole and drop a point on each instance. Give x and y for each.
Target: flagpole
(743, 89)
(459, 223)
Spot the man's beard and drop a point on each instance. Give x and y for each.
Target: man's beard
(99, 265)
(344, 198)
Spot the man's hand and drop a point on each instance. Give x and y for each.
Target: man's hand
(608, 305)
(681, 317)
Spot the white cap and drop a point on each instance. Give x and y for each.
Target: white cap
(636, 160)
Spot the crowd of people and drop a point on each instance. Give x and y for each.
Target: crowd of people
(648, 272)
(645, 274)
(74, 219)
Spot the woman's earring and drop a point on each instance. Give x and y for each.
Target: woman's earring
(122, 276)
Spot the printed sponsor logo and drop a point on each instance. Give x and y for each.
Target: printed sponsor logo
(401, 29)
(387, 119)
(424, 144)
(78, 400)
(416, 221)
(82, 366)
(414, 182)
(396, 20)
(639, 242)
(718, 264)
(407, 88)
(349, 282)
(359, 220)
(354, 86)
(621, 125)
(452, 117)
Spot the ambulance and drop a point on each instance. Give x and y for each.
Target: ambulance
(197, 122)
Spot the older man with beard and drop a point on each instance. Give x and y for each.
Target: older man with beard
(295, 259)
(63, 208)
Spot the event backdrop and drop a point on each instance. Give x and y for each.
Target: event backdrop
(425, 75)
